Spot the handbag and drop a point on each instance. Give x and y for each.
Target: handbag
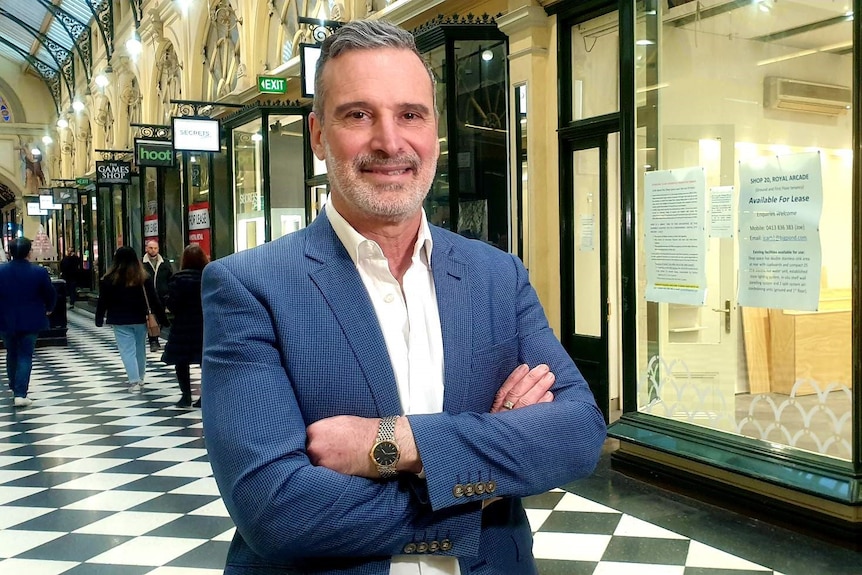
(153, 327)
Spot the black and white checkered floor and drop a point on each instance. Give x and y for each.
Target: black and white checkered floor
(95, 480)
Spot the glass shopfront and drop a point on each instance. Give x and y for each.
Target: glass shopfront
(726, 181)
(269, 155)
(470, 194)
(744, 203)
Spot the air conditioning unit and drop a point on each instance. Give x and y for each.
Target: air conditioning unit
(802, 96)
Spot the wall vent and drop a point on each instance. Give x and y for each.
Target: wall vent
(802, 96)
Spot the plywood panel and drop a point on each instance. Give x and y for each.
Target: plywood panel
(755, 323)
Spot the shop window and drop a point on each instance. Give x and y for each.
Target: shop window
(286, 174)
(470, 192)
(249, 223)
(744, 185)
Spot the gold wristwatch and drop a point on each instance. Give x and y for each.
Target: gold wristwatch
(385, 453)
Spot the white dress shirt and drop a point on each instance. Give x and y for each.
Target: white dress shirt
(410, 322)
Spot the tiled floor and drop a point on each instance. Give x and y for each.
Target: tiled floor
(97, 481)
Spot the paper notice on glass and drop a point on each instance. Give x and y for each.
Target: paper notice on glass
(780, 203)
(588, 230)
(721, 212)
(676, 235)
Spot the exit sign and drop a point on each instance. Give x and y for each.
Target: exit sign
(271, 85)
(82, 181)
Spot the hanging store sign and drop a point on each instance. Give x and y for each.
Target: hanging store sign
(113, 172)
(271, 85)
(65, 195)
(308, 56)
(154, 154)
(196, 135)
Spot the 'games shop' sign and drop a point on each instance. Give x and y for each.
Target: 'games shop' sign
(113, 172)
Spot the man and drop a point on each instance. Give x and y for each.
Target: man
(28, 298)
(158, 269)
(160, 272)
(380, 393)
(69, 266)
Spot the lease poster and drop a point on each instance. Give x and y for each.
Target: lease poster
(780, 204)
(675, 205)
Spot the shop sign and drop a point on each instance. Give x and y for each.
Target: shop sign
(151, 227)
(199, 225)
(308, 56)
(82, 181)
(271, 85)
(65, 195)
(113, 172)
(196, 134)
(154, 153)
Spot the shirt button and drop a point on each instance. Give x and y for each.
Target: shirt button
(389, 298)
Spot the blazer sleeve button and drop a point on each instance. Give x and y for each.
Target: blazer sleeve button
(410, 548)
(445, 545)
(422, 548)
(491, 487)
(458, 490)
(480, 487)
(434, 546)
(469, 490)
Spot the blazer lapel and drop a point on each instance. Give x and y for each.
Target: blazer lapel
(339, 283)
(454, 305)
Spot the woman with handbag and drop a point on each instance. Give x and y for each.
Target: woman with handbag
(127, 298)
(185, 342)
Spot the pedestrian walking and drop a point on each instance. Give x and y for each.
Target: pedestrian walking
(126, 296)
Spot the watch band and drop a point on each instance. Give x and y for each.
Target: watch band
(386, 432)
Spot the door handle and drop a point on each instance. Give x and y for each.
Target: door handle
(726, 312)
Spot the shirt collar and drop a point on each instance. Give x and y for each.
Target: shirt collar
(353, 240)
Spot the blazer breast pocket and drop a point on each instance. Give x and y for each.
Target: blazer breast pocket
(492, 365)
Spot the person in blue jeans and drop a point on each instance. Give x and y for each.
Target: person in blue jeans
(125, 296)
(28, 297)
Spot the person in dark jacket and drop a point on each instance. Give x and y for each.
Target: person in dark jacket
(185, 342)
(160, 272)
(69, 269)
(125, 295)
(27, 298)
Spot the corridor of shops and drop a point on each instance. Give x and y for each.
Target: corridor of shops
(95, 480)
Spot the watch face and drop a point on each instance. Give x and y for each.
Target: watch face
(385, 453)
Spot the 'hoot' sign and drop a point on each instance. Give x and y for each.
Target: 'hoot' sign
(113, 172)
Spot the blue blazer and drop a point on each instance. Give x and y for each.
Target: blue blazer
(26, 296)
(290, 337)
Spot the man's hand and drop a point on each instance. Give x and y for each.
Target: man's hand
(524, 387)
(343, 443)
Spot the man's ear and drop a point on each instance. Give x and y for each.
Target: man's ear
(315, 127)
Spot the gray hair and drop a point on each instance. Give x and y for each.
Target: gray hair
(364, 35)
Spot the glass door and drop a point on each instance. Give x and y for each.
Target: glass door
(589, 255)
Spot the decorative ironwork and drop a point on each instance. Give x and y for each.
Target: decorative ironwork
(264, 104)
(319, 29)
(153, 131)
(7, 196)
(224, 17)
(457, 20)
(103, 14)
(137, 12)
(116, 154)
(193, 108)
(78, 32)
(49, 75)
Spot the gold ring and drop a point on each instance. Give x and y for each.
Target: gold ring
(508, 405)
